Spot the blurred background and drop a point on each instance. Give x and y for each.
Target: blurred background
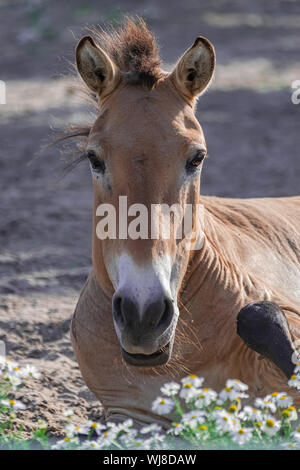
(250, 123)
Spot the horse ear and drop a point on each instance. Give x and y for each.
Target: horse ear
(95, 67)
(195, 68)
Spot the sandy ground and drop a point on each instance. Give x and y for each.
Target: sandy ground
(251, 128)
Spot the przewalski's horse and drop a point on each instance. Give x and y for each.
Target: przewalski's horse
(152, 309)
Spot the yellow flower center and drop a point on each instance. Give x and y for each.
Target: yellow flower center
(203, 427)
(232, 408)
(293, 377)
(241, 431)
(258, 424)
(188, 386)
(274, 394)
(270, 423)
(283, 397)
(77, 428)
(162, 402)
(66, 439)
(192, 376)
(225, 418)
(228, 389)
(105, 434)
(94, 425)
(291, 408)
(12, 402)
(206, 389)
(286, 413)
(16, 368)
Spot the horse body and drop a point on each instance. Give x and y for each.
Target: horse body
(250, 252)
(155, 310)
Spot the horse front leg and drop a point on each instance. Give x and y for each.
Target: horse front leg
(263, 327)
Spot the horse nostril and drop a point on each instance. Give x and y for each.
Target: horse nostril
(117, 312)
(125, 312)
(166, 316)
(155, 318)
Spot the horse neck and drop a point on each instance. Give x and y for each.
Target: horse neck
(214, 280)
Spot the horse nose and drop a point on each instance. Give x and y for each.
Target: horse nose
(153, 317)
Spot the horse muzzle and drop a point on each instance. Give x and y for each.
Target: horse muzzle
(145, 331)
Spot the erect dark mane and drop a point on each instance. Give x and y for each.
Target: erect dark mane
(134, 50)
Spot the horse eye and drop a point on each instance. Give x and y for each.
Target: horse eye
(97, 164)
(194, 162)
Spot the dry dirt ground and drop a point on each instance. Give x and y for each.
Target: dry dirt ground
(251, 128)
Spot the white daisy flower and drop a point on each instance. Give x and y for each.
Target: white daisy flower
(193, 379)
(106, 438)
(234, 408)
(113, 425)
(205, 397)
(93, 426)
(225, 421)
(126, 426)
(14, 380)
(12, 366)
(90, 445)
(176, 429)
(154, 442)
(64, 443)
(270, 425)
(294, 381)
(290, 413)
(29, 371)
(237, 385)
(265, 403)
(193, 418)
(162, 405)
(188, 391)
(60, 445)
(151, 428)
(289, 445)
(282, 400)
(231, 394)
(296, 434)
(250, 414)
(170, 389)
(131, 442)
(14, 404)
(241, 435)
(297, 368)
(73, 429)
(68, 413)
(70, 430)
(202, 429)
